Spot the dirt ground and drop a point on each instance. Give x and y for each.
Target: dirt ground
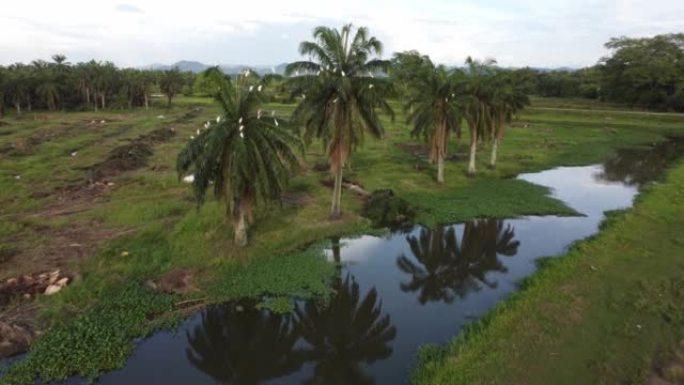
(42, 259)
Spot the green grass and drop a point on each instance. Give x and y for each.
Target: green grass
(599, 315)
(162, 230)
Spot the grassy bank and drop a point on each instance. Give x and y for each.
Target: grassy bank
(145, 226)
(607, 313)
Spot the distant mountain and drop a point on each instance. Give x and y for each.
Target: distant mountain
(231, 69)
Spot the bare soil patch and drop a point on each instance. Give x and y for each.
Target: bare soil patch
(33, 255)
(130, 156)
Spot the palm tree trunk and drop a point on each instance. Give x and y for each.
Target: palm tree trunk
(240, 226)
(337, 192)
(87, 96)
(147, 105)
(473, 150)
(440, 168)
(495, 145)
(103, 98)
(442, 139)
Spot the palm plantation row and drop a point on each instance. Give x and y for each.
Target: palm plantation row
(246, 155)
(59, 85)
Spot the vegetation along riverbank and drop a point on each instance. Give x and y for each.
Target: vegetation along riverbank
(108, 234)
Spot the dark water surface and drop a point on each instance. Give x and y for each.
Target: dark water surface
(394, 293)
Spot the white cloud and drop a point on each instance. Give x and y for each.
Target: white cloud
(523, 32)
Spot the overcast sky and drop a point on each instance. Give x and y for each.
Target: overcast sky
(541, 33)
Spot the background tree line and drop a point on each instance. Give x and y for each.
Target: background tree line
(60, 85)
(645, 73)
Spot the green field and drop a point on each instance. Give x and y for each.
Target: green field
(142, 224)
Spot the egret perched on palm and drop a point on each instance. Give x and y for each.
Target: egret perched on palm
(339, 94)
(245, 156)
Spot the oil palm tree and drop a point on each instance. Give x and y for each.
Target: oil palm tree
(103, 82)
(442, 268)
(238, 344)
(171, 84)
(344, 334)
(47, 88)
(477, 110)
(508, 98)
(339, 94)
(17, 85)
(246, 155)
(435, 109)
(84, 80)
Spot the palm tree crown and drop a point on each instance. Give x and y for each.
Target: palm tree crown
(340, 93)
(245, 154)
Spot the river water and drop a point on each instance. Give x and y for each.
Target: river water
(394, 293)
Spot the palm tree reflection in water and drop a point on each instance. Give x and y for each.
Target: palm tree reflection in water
(239, 344)
(443, 269)
(344, 334)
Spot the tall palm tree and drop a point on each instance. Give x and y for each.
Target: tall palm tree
(434, 109)
(241, 345)
(344, 334)
(477, 108)
(442, 268)
(245, 154)
(340, 94)
(508, 98)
